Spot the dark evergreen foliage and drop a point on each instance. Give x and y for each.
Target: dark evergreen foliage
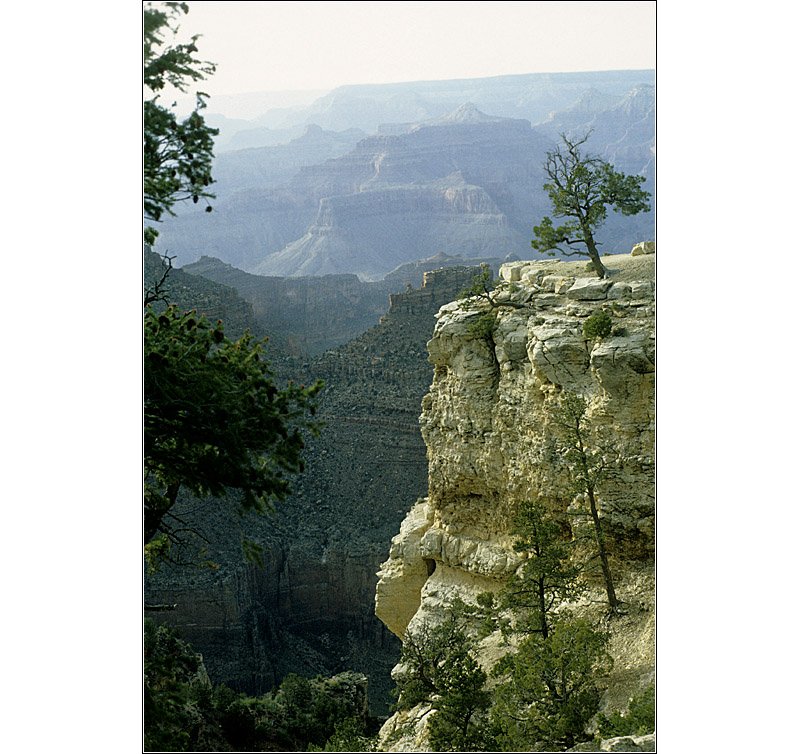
(302, 714)
(548, 577)
(551, 689)
(588, 462)
(440, 669)
(214, 420)
(177, 153)
(184, 712)
(178, 708)
(597, 325)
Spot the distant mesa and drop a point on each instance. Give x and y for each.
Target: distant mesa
(466, 113)
(456, 168)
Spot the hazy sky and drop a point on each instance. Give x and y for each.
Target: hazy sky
(279, 46)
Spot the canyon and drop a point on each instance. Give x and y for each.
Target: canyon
(350, 246)
(432, 436)
(308, 607)
(458, 173)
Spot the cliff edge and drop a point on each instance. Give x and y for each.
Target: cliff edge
(488, 422)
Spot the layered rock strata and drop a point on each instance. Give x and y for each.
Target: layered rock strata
(488, 422)
(465, 182)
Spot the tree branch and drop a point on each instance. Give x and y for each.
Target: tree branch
(158, 292)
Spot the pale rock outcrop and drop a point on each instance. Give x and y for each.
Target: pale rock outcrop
(645, 247)
(621, 743)
(589, 289)
(488, 423)
(556, 283)
(402, 577)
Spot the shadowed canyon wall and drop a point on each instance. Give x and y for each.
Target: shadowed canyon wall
(310, 608)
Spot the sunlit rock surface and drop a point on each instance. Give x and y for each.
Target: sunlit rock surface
(488, 424)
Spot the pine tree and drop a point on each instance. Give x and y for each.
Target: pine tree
(547, 577)
(581, 187)
(588, 465)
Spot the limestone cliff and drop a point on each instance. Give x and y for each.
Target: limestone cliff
(488, 423)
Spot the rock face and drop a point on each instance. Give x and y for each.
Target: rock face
(452, 186)
(212, 298)
(488, 424)
(621, 743)
(305, 315)
(371, 232)
(262, 167)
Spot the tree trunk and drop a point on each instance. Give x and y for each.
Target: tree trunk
(601, 548)
(542, 607)
(594, 255)
(591, 247)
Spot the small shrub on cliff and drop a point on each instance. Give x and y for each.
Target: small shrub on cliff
(639, 719)
(597, 325)
(441, 670)
(551, 688)
(481, 286)
(483, 327)
(485, 288)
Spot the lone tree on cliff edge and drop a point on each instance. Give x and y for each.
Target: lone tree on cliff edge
(581, 187)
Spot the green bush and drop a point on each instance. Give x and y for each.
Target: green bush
(551, 688)
(348, 735)
(300, 713)
(639, 719)
(178, 705)
(598, 325)
(440, 669)
(483, 327)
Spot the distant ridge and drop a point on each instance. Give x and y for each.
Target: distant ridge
(466, 113)
(380, 175)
